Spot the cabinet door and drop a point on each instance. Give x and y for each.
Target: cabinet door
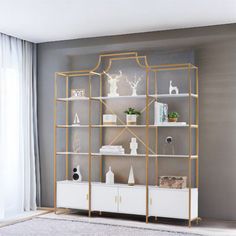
(132, 200)
(72, 195)
(172, 203)
(104, 198)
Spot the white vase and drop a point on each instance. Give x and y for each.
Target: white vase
(131, 180)
(76, 120)
(131, 119)
(133, 146)
(109, 177)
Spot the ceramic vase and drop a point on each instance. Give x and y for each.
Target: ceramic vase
(133, 146)
(109, 176)
(131, 180)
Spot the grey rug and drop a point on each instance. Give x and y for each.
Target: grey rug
(56, 227)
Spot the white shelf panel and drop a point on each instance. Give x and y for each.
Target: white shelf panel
(72, 126)
(126, 155)
(180, 95)
(73, 99)
(78, 153)
(171, 124)
(119, 97)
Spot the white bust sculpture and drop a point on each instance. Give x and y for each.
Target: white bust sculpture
(113, 80)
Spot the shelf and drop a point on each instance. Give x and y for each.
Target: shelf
(118, 97)
(127, 155)
(180, 95)
(73, 99)
(78, 153)
(72, 126)
(88, 195)
(176, 125)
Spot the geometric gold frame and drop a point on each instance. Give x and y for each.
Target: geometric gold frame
(142, 63)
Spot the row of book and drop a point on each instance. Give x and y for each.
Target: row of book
(112, 149)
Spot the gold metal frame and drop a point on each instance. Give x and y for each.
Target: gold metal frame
(142, 63)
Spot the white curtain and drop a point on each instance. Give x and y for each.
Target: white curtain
(18, 127)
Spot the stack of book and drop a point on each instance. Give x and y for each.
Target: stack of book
(112, 150)
(160, 113)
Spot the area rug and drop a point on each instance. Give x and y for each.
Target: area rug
(57, 227)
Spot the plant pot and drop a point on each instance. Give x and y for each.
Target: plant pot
(172, 119)
(131, 119)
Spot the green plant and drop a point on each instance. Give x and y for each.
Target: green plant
(132, 111)
(173, 114)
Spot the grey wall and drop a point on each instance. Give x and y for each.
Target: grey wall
(214, 51)
(217, 131)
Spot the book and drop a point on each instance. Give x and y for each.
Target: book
(160, 112)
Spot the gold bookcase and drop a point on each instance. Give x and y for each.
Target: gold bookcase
(97, 73)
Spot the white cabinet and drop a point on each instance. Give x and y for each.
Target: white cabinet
(121, 198)
(118, 198)
(104, 198)
(71, 194)
(132, 200)
(172, 203)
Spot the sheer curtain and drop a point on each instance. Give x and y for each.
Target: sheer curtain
(19, 159)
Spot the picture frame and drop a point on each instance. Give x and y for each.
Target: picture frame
(77, 92)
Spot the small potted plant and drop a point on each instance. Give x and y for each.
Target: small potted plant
(173, 116)
(131, 116)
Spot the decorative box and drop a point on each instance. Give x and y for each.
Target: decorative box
(109, 119)
(173, 181)
(77, 92)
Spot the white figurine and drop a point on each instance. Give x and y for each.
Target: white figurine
(173, 89)
(113, 84)
(109, 177)
(76, 120)
(133, 146)
(134, 84)
(131, 177)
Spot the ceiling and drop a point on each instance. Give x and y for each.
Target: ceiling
(52, 20)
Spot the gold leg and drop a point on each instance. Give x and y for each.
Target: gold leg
(147, 142)
(55, 145)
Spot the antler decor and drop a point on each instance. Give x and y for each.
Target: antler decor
(134, 84)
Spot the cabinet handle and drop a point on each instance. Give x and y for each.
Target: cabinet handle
(87, 197)
(150, 201)
(115, 199)
(120, 199)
